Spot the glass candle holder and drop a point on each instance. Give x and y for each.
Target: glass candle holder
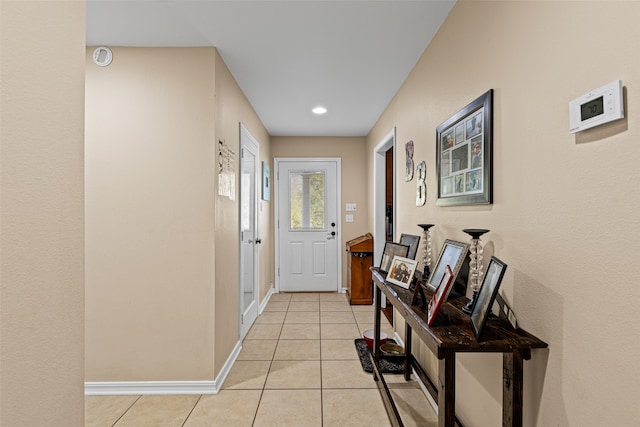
(475, 265)
(426, 251)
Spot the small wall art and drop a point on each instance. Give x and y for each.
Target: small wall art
(408, 173)
(266, 181)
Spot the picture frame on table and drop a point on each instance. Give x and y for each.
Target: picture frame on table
(487, 295)
(464, 162)
(392, 249)
(413, 242)
(440, 295)
(401, 271)
(453, 253)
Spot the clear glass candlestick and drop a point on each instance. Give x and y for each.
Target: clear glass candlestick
(426, 251)
(475, 265)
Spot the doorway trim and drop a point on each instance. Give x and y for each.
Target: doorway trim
(276, 212)
(379, 192)
(247, 139)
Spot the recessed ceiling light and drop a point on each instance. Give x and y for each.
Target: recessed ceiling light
(319, 110)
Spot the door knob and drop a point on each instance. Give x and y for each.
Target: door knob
(258, 241)
(333, 233)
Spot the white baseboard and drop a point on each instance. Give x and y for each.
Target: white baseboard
(264, 303)
(149, 387)
(226, 368)
(163, 387)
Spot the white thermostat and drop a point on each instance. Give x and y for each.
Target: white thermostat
(600, 106)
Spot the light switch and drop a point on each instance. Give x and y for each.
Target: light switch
(349, 218)
(351, 207)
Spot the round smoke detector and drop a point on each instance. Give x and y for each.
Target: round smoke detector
(102, 56)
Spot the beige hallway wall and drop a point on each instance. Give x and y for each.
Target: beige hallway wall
(162, 245)
(564, 216)
(354, 187)
(232, 108)
(41, 213)
(149, 215)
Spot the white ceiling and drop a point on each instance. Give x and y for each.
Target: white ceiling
(289, 56)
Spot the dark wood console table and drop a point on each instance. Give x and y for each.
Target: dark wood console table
(452, 334)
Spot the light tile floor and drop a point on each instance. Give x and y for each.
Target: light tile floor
(298, 367)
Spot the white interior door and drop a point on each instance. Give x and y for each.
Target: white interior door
(249, 237)
(307, 224)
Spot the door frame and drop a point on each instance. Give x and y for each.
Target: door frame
(276, 210)
(245, 136)
(379, 193)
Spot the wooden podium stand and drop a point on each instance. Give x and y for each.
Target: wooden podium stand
(360, 284)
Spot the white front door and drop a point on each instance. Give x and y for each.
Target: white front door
(249, 237)
(307, 224)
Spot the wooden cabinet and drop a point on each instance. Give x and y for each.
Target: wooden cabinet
(359, 282)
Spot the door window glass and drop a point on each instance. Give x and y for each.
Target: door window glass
(307, 193)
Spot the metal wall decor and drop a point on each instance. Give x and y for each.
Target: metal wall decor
(421, 185)
(464, 155)
(408, 174)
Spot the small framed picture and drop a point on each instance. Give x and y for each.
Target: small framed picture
(390, 250)
(413, 242)
(401, 271)
(440, 295)
(453, 253)
(487, 295)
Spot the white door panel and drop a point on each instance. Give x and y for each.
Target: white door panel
(249, 237)
(307, 224)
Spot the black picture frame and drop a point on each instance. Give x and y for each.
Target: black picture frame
(487, 295)
(454, 254)
(413, 242)
(392, 249)
(464, 156)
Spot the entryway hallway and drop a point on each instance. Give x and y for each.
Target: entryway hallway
(298, 367)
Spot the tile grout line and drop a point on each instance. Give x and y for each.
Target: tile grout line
(126, 410)
(264, 385)
(191, 411)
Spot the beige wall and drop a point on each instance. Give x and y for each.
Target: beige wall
(354, 187)
(565, 212)
(41, 211)
(149, 215)
(162, 246)
(232, 108)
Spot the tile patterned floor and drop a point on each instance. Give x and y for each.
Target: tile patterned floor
(298, 367)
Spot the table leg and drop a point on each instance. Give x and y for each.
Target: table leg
(447, 390)
(376, 324)
(407, 352)
(512, 388)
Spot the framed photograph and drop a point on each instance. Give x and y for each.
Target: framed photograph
(465, 168)
(390, 250)
(487, 295)
(453, 254)
(413, 242)
(440, 295)
(266, 182)
(401, 271)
